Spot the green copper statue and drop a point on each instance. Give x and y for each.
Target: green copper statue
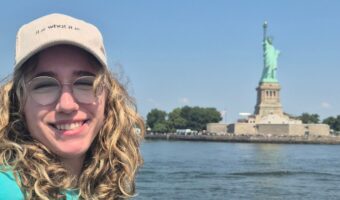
(270, 55)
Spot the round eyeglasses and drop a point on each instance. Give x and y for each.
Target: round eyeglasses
(46, 90)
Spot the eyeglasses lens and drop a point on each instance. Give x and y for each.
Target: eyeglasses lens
(46, 90)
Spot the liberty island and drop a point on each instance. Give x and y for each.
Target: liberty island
(268, 117)
(268, 123)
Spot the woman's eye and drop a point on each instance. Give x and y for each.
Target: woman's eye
(83, 83)
(44, 86)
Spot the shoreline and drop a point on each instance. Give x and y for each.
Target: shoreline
(248, 138)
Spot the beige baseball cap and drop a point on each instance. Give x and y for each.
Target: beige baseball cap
(55, 29)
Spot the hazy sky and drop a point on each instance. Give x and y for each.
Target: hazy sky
(205, 52)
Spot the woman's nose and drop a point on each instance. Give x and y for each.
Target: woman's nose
(67, 102)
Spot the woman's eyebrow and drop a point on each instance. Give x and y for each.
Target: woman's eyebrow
(83, 73)
(54, 75)
(46, 73)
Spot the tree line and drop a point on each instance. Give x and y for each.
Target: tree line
(194, 118)
(333, 122)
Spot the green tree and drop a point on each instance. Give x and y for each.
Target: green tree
(337, 125)
(194, 118)
(160, 127)
(202, 116)
(176, 121)
(155, 116)
(214, 115)
(307, 118)
(333, 122)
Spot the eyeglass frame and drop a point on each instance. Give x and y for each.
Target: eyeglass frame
(96, 92)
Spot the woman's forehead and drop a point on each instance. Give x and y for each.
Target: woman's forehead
(64, 60)
(63, 55)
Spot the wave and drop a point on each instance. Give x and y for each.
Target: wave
(185, 175)
(282, 173)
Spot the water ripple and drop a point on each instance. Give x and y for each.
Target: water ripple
(282, 173)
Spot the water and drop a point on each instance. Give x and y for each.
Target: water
(212, 170)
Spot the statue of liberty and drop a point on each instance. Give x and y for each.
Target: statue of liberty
(270, 55)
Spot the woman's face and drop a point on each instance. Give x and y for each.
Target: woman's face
(67, 127)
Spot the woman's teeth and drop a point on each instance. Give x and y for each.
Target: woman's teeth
(67, 127)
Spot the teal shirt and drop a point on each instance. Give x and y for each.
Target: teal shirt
(9, 188)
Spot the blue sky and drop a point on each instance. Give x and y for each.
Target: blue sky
(205, 53)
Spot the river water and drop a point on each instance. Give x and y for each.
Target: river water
(213, 170)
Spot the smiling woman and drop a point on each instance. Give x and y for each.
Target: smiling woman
(67, 127)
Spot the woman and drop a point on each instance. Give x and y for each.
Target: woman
(67, 127)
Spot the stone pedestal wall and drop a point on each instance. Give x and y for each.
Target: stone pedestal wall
(218, 128)
(273, 129)
(245, 129)
(297, 129)
(318, 129)
(281, 129)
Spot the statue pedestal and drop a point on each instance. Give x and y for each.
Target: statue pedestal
(268, 102)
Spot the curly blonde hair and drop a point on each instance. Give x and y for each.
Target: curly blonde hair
(111, 162)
